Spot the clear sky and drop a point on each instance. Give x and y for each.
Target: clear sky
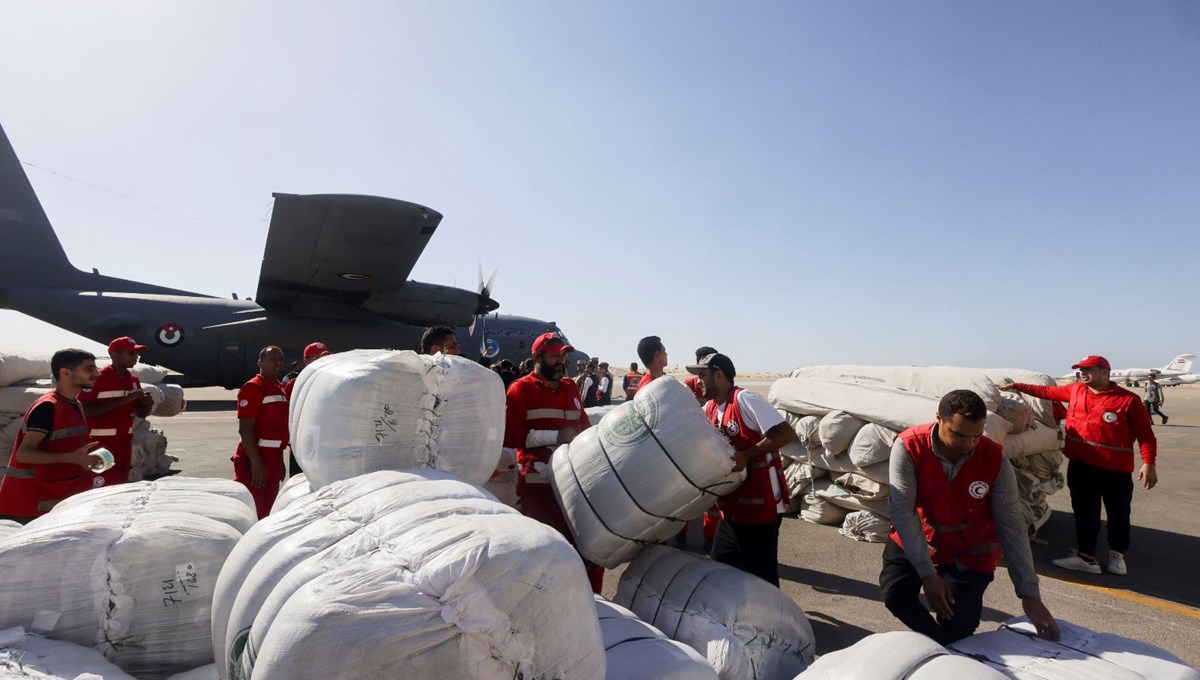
(967, 183)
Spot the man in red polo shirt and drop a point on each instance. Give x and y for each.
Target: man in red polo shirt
(544, 410)
(111, 404)
(1103, 420)
(263, 427)
(953, 503)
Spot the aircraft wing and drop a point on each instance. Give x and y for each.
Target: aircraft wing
(331, 248)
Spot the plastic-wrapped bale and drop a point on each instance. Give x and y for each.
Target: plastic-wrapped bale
(173, 401)
(150, 458)
(892, 408)
(596, 413)
(897, 655)
(296, 486)
(744, 626)
(932, 381)
(8, 436)
(1036, 439)
(18, 399)
(130, 574)
(8, 528)
(635, 650)
(149, 374)
(503, 482)
(866, 526)
(156, 395)
(208, 672)
(817, 510)
(15, 368)
(220, 487)
(872, 444)
(367, 410)
(1038, 477)
(837, 431)
(33, 657)
(411, 574)
(632, 481)
(1017, 652)
(1043, 409)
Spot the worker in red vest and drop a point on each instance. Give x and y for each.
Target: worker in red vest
(629, 383)
(51, 458)
(111, 404)
(544, 410)
(953, 502)
(748, 535)
(262, 411)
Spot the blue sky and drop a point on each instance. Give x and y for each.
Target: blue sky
(982, 184)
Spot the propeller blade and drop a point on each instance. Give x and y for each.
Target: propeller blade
(488, 289)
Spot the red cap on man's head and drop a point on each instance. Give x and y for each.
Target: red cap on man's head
(125, 343)
(316, 350)
(552, 343)
(1092, 361)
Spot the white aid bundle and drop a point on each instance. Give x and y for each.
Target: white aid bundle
(817, 510)
(32, 657)
(1043, 409)
(374, 409)
(1017, 652)
(172, 403)
(15, 368)
(1037, 439)
(296, 486)
(149, 453)
(837, 431)
(651, 465)
(127, 572)
(1015, 410)
(17, 400)
(156, 395)
(410, 574)
(799, 478)
(866, 526)
(932, 381)
(872, 444)
(747, 628)
(8, 528)
(892, 408)
(208, 672)
(808, 429)
(897, 655)
(635, 650)
(149, 374)
(854, 492)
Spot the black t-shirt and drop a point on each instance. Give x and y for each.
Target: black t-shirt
(41, 419)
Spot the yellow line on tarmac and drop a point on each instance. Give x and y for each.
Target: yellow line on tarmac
(1153, 602)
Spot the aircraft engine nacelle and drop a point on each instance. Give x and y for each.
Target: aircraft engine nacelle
(427, 304)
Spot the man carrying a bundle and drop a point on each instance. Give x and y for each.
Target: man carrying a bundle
(112, 402)
(953, 503)
(263, 427)
(748, 535)
(544, 410)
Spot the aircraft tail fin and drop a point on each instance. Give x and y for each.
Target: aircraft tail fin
(1181, 363)
(30, 252)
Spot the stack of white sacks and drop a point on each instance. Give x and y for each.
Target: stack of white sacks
(23, 380)
(846, 418)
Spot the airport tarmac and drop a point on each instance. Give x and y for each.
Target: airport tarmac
(835, 579)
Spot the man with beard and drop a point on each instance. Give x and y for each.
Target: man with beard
(262, 412)
(544, 411)
(111, 404)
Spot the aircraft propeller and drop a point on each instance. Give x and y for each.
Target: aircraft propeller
(486, 304)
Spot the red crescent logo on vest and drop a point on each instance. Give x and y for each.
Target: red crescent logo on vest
(978, 489)
(97, 482)
(1109, 417)
(732, 428)
(169, 335)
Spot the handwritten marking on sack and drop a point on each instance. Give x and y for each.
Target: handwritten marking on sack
(185, 583)
(386, 424)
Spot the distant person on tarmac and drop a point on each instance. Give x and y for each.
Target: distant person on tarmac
(586, 382)
(954, 507)
(604, 385)
(51, 456)
(111, 404)
(694, 383)
(262, 411)
(441, 339)
(629, 383)
(653, 354)
(1103, 420)
(1153, 399)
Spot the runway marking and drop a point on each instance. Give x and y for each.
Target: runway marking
(1147, 600)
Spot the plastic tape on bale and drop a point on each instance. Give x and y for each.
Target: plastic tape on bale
(745, 627)
(32, 657)
(837, 431)
(651, 465)
(892, 408)
(134, 581)
(295, 487)
(1016, 650)
(871, 445)
(409, 574)
(367, 410)
(897, 655)
(635, 650)
(932, 381)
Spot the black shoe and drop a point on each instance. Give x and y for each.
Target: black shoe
(1164, 420)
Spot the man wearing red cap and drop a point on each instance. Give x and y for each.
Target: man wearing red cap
(263, 427)
(1103, 420)
(314, 351)
(111, 404)
(544, 411)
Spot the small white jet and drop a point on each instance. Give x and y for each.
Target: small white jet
(1178, 372)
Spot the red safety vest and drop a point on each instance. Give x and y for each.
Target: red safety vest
(630, 383)
(754, 501)
(32, 490)
(956, 515)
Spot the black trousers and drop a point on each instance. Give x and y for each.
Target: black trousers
(753, 548)
(899, 585)
(1152, 409)
(1091, 485)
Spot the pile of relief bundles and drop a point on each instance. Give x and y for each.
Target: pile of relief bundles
(26, 656)
(412, 574)
(746, 628)
(847, 417)
(23, 380)
(127, 570)
(651, 465)
(373, 409)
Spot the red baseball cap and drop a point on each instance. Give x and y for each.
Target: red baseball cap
(1092, 361)
(552, 343)
(125, 342)
(316, 350)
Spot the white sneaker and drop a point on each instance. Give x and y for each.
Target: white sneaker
(1077, 563)
(1116, 563)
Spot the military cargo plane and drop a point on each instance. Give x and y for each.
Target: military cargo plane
(335, 269)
